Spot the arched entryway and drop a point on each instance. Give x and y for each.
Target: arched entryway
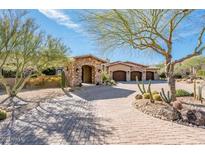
(149, 75)
(87, 74)
(119, 75)
(135, 74)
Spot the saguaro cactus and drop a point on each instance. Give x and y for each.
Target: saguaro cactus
(195, 95)
(150, 92)
(166, 98)
(63, 80)
(142, 89)
(199, 96)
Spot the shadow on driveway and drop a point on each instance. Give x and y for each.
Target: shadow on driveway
(92, 93)
(58, 121)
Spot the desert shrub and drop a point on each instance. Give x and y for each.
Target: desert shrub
(49, 71)
(177, 76)
(3, 115)
(178, 80)
(105, 77)
(162, 75)
(44, 82)
(146, 96)
(187, 73)
(182, 92)
(112, 82)
(9, 73)
(138, 96)
(200, 73)
(107, 80)
(155, 92)
(157, 97)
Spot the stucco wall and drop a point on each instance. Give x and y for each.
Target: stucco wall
(119, 67)
(128, 69)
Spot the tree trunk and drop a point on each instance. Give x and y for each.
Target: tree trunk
(170, 77)
(172, 87)
(12, 94)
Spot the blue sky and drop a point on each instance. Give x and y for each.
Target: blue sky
(65, 24)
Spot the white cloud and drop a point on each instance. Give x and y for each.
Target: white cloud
(61, 18)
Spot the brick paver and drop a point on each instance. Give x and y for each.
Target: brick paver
(97, 115)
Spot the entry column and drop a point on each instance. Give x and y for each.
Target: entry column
(127, 75)
(144, 75)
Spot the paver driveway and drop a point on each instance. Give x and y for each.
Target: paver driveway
(97, 115)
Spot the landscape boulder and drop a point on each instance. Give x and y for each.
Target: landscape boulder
(170, 113)
(138, 96)
(195, 117)
(177, 105)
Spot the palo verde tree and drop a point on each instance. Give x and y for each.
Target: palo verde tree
(143, 30)
(26, 51)
(9, 35)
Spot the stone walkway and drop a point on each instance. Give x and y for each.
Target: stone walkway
(97, 115)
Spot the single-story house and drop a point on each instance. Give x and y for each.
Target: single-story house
(88, 69)
(128, 71)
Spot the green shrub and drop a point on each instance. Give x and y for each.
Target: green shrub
(107, 80)
(105, 77)
(9, 73)
(177, 76)
(155, 92)
(3, 115)
(146, 96)
(162, 75)
(182, 92)
(138, 96)
(49, 71)
(200, 73)
(112, 82)
(157, 97)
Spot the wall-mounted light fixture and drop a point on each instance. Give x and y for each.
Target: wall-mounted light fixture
(77, 70)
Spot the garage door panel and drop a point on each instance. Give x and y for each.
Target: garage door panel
(135, 74)
(119, 75)
(149, 75)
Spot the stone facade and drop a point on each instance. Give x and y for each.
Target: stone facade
(75, 69)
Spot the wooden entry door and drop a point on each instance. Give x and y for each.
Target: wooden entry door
(135, 74)
(119, 75)
(86, 74)
(149, 75)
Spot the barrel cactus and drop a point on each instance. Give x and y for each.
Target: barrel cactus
(3, 115)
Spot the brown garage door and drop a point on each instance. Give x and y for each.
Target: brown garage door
(149, 75)
(135, 74)
(119, 76)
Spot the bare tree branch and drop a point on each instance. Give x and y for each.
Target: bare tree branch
(197, 51)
